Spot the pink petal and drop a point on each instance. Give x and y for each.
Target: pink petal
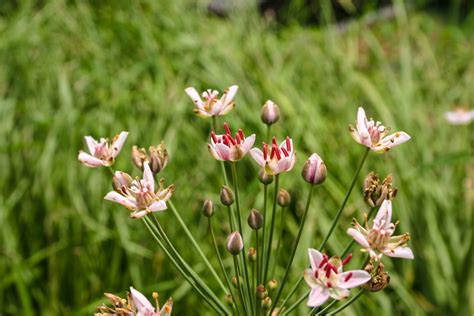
(213, 152)
(257, 155)
(91, 144)
(148, 176)
(385, 212)
(248, 143)
(228, 95)
(400, 252)
(222, 151)
(358, 277)
(118, 143)
(139, 214)
(318, 296)
(310, 279)
(89, 161)
(359, 237)
(315, 258)
(141, 302)
(194, 95)
(158, 206)
(118, 198)
(392, 140)
(339, 293)
(362, 127)
(224, 109)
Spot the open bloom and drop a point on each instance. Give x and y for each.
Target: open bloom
(460, 116)
(102, 152)
(139, 195)
(145, 308)
(211, 105)
(372, 134)
(326, 278)
(280, 158)
(378, 240)
(225, 147)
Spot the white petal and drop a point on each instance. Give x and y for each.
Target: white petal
(228, 95)
(385, 213)
(139, 214)
(213, 152)
(118, 143)
(318, 296)
(310, 279)
(222, 151)
(118, 198)
(315, 258)
(361, 121)
(157, 206)
(257, 155)
(400, 252)
(339, 293)
(359, 237)
(89, 161)
(358, 277)
(91, 144)
(194, 95)
(141, 302)
(392, 140)
(248, 143)
(148, 176)
(224, 109)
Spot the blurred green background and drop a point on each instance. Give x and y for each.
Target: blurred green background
(75, 68)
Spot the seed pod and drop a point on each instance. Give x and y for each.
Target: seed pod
(158, 158)
(272, 285)
(264, 177)
(266, 303)
(375, 192)
(270, 113)
(252, 254)
(261, 292)
(227, 196)
(283, 198)
(208, 208)
(314, 170)
(121, 181)
(255, 219)
(139, 156)
(380, 279)
(235, 244)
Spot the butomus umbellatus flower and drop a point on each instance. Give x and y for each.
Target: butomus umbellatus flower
(373, 134)
(139, 195)
(327, 279)
(459, 116)
(211, 105)
(378, 239)
(102, 152)
(227, 148)
(158, 157)
(277, 159)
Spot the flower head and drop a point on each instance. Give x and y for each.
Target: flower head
(102, 152)
(326, 278)
(373, 134)
(158, 157)
(270, 113)
(280, 158)
(225, 147)
(459, 116)
(211, 105)
(378, 239)
(139, 195)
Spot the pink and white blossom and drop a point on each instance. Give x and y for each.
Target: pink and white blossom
(143, 306)
(378, 239)
(327, 279)
(227, 148)
(373, 134)
(211, 105)
(102, 152)
(139, 195)
(460, 116)
(280, 158)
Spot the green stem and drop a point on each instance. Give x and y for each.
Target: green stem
(231, 222)
(280, 236)
(325, 309)
(262, 257)
(295, 247)
(239, 286)
(298, 302)
(346, 304)
(272, 226)
(269, 127)
(292, 291)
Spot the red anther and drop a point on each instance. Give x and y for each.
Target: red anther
(241, 133)
(272, 153)
(237, 138)
(348, 258)
(225, 140)
(265, 151)
(288, 143)
(323, 262)
(274, 141)
(214, 138)
(232, 140)
(333, 268)
(277, 151)
(284, 151)
(226, 127)
(348, 277)
(329, 285)
(328, 271)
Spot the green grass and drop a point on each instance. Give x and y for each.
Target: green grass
(74, 69)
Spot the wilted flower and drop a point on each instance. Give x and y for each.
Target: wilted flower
(378, 240)
(326, 278)
(103, 152)
(280, 159)
(225, 147)
(158, 157)
(139, 195)
(375, 192)
(270, 113)
(460, 116)
(372, 134)
(235, 244)
(379, 280)
(212, 106)
(314, 170)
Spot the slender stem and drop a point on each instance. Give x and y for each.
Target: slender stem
(272, 227)
(346, 304)
(111, 170)
(231, 222)
(269, 127)
(214, 126)
(262, 257)
(295, 247)
(298, 302)
(196, 246)
(339, 213)
(324, 310)
(280, 236)
(239, 286)
(292, 291)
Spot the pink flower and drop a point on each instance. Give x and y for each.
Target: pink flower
(103, 152)
(373, 134)
(145, 308)
(326, 278)
(460, 116)
(212, 106)
(139, 195)
(225, 147)
(280, 159)
(378, 240)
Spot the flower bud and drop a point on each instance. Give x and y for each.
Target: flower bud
(380, 279)
(272, 285)
(158, 158)
(264, 177)
(255, 219)
(252, 254)
(227, 196)
(266, 303)
(375, 192)
(261, 292)
(236, 283)
(139, 156)
(314, 170)
(121, 181)
(283, 198)
(235, 244)
(229, 300)
(208, 208)
(270, 113)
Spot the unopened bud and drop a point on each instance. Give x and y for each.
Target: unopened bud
(314, 170)
(158, 158)
(261, 292)
(255, 219)
(229, 300)
(121, 182)
(283, 198)
(235, 244)
(264, 177)
(236, 281)
(139, 156)
(375, 192)
(208, 208)
(272, 285)
(227, 196)
(252, 254)
(266, 303)
(270, 113)
(380, 279)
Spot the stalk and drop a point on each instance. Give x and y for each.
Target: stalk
(262, 257)
(239, 286)
(272, 226)
(345, 305)
(277, 252)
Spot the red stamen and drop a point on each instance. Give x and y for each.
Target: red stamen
(277, 151)
(328, 271)
(214, 138)
(274, 141)
(237, 138)
(265, 151)
(272, 154)
(288, 143)
(348, 277)
(232, 140)
(284, 151)
(348, 258)
(334, 269)
(226, 127)
(241, 133)
(329, 285)
(316, 274)
(225, 140)
(323, 262)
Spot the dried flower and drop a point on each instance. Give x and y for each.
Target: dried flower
(326, 278)
(375, 192)
(460, 116)
(158, 158)
(283, 198)
(212, 106)
(270, 113)
(255, 219)
(103, 152)
(227, 196)
(314, 170)
(280, 159)
(139, 195)
(379, 280)
(208, 208)
(378, 240)
(227, 148)
(235, 244)
(373, 134)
